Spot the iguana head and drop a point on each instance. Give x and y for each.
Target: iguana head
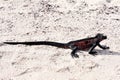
(100, 36)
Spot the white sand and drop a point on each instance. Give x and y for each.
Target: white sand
(61, 21)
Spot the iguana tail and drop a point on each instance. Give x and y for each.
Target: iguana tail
(56, 44)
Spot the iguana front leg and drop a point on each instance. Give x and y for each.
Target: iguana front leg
(91, 50)
(103, 47)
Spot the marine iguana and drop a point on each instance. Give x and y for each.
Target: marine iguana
(82, 44)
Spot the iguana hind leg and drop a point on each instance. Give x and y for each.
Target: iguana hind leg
(73, 53)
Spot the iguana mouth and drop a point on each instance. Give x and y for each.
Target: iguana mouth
(104, 37)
